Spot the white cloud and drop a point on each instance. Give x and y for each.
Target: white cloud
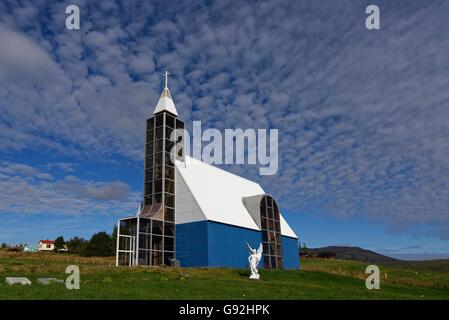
(26, 189)
(23, 62)
(362, 116)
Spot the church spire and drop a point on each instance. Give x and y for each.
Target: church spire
(165, 102)
(166, 74)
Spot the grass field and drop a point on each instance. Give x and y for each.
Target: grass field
(317, 279)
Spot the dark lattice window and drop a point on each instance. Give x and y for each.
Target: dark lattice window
(271, 233)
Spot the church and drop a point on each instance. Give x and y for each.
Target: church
(194, 214)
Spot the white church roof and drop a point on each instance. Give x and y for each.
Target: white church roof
(165, 103)
(205, 192)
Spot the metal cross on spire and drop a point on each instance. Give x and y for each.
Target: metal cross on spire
(166, 74)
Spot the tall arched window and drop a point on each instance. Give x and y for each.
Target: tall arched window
(271, 233)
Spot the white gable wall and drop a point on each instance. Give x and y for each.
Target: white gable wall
(285, 228)
(187, 209)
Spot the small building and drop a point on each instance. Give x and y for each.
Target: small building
(30, 249)
(64, 248)
(46, 245)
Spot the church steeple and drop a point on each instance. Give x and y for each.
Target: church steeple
(165, 102)
(164, 143)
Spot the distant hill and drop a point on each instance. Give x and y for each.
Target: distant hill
(351, 253)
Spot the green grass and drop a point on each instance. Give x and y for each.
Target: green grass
(318, 279)
(405, 273)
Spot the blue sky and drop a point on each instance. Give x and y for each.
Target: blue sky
(362, 115)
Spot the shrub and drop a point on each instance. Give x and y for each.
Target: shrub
(77, 245)
(100, 245)
(59, 243)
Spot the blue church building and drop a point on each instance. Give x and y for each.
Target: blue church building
(194, 214)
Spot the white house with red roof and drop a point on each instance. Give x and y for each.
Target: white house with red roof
(46, 245)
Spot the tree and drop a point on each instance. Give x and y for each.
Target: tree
(4, 246)
(303, 248)
(114, 238)
(100, 245)
(77, 245)
(59, 243)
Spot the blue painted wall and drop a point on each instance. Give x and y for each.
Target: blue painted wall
(227, 245)
(213, 244)
(290, 252)
(191, 244)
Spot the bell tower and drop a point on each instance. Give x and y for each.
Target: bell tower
(164, 143)
(161, 148)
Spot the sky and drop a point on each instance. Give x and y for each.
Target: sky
(362, 114)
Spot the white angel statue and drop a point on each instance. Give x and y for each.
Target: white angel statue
(254, 259)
